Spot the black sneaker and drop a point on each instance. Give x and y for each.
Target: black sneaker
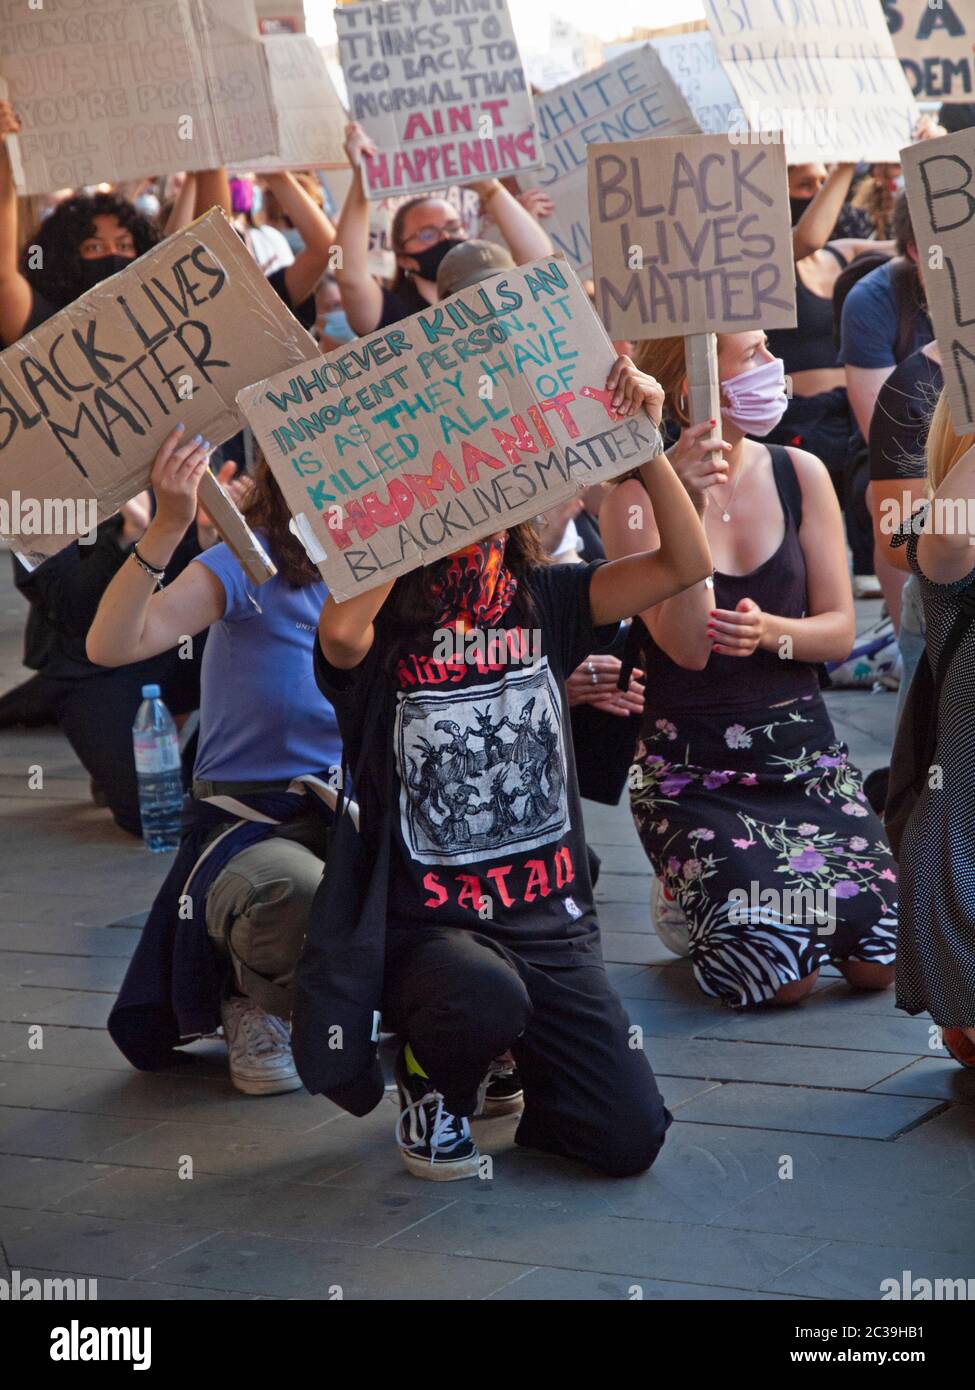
(433, 1143)
(501, 1092)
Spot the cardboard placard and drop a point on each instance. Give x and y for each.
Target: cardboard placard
(940, 180)
(473, 415)
(117, 90)
(691, 235)
(631, 98)
(311, 119)
(440, 87)
(693, 63)
(936, 46)
(87, 398)
(819, 75)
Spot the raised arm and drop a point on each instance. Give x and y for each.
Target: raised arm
(315, 229)
(183, 211)
(362, 296)
(15, 295)
(635, 582)
(527, 239)
(212, 191)
(134, 621)
(346, 630)
(812, 231)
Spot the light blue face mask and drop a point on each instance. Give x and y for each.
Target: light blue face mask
(335, 325)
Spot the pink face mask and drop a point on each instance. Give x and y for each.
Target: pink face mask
(756, 401)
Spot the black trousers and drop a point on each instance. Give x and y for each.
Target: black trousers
(96, 714)
(462, 1000)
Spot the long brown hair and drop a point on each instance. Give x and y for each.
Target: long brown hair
(266, 510)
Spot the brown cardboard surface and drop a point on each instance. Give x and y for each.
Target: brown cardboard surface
(311, 119)
(391, 453)
(105, 90)
(87, 398)
(936, 46)
(440, 87)
(690, 235)
(824, 73)
(940, 180)
(631, 98)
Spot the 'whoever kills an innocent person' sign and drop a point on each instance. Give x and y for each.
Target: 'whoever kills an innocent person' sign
(935, 41)
(87, 398)
(440, 87)
(822, 73)
(940, 179)
(631, 98)
(691, 235)
(471, 416)
(125, 88)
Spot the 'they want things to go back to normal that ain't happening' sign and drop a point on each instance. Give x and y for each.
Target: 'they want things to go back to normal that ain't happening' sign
(469, 417)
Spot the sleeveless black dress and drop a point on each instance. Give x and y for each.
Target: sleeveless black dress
(748, 807)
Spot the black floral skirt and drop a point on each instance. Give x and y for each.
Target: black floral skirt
(758, 827)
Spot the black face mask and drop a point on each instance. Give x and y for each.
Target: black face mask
(797, 206)
(93, 272)
(429, 260)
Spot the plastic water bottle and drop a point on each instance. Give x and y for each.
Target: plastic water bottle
(159, 772)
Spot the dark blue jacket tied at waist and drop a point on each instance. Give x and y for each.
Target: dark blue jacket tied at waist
(172, 989)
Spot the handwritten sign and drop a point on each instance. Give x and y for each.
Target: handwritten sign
(440, 87)
(691, 235)
(469, 417)
(940, 180)
(631, 98)
(936, 46)
(693, 63)
(822, 74)
(310, 117)
(125, 88)
(87, 398)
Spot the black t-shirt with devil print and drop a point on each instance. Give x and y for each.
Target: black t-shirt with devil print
(488, 835)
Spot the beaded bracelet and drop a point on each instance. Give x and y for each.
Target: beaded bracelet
(156, 575)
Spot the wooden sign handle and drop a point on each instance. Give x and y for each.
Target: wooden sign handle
(254, 559)
(703, 388)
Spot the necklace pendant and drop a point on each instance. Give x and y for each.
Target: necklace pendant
(725, 516)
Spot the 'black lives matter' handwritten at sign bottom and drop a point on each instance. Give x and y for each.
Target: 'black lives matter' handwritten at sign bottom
(467, 418)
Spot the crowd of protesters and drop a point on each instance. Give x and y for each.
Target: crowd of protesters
(683, 622)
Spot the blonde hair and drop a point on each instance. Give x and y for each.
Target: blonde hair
(944, 447)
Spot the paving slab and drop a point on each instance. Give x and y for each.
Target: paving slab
(808, 1110)
(778, 1063)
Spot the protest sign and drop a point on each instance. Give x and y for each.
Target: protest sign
(471, 416)
(311, 121)
(693, 63)
(87, 398)
(821, 76)
(126, 88)
(936, 45)
(440, 89)
(940, 180)
(632, 97)
(690, 235)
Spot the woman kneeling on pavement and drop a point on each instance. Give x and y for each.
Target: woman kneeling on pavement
(230, 920)
(769, 862)
(479, 933)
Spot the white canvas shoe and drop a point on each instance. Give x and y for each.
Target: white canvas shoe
(669, 922)
(259, 1044)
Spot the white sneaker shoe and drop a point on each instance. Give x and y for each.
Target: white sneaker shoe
(259, 1044)
(867, 586)
(669, 922)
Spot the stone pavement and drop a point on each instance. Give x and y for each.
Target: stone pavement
(290, 1198)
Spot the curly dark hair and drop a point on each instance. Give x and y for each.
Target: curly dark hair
(266, 510)
(59, 276)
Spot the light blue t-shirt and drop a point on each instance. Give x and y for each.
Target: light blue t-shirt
(262, 715)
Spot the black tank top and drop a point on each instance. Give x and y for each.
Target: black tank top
(810, 345)
(778, 585)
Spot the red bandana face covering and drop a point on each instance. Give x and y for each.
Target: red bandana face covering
(473, 588)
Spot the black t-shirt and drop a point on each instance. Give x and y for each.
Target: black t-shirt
(489, 833)
(401, 304)
(305, 312)
(899, 427)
